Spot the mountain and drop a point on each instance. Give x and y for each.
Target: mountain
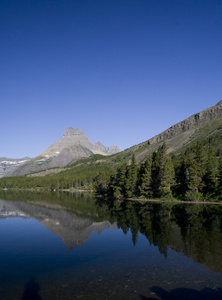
(73, 145)
(76, 141)
(8, 165)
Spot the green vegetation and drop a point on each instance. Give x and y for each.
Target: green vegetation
(196, 174)
(79, 175)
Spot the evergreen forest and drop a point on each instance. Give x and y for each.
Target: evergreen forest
(194, 175)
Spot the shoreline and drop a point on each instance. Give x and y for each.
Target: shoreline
(174, 201)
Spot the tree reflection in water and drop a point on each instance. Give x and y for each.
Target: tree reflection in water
(192, 229)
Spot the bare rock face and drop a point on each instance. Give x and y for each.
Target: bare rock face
(68, 154)
(76, 138)
(189, 124)
(182, 133)
(70, 138)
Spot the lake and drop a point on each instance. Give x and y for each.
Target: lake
(73, 246)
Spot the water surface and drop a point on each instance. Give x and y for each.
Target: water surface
(63, 246)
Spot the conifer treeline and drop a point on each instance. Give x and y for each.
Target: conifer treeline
(194, 175)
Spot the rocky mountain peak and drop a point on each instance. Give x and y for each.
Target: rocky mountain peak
(71, 137)
(73, 132)
(73, 145)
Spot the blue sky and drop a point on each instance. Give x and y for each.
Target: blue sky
(122, 71)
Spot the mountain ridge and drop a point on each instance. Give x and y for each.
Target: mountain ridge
(10, 164)
(195, 120)
(74, 144)
(180, 134)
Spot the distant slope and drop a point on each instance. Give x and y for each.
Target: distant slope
(73, 145)
(10, 164)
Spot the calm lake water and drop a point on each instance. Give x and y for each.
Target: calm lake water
(63, 246)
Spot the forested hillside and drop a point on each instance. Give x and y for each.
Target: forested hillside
(195, 174)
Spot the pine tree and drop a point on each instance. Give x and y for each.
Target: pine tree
(210, 178)
(182, 176)
(144, 180)
(158, 163)
(101, 183)
(121, 179)
(219, 189)
(111, 185)
(131, 178)
(167, 178)
(199, 157)
(194, 168)
(191, 172)
(118, 182)
(117, 192)
(155, 169)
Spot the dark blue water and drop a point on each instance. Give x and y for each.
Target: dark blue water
(92, 251)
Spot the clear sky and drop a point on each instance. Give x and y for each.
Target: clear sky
(120, 70)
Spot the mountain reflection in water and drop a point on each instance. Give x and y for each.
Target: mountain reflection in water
(73, 227)
(108, 266)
